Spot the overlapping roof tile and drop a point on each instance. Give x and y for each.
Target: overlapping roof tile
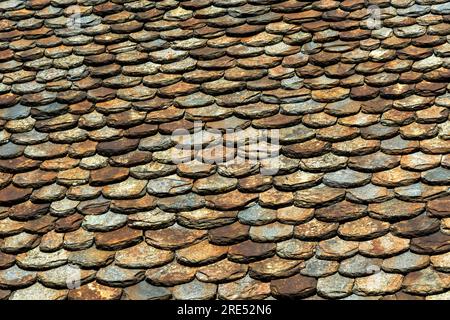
(244, 149)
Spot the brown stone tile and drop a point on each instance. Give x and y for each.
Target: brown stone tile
(249, 251)
(201, 253)
(118, 239)
(439, 207)
(12, 194)
(108, 175)
(174, 237)
(297, 286)
(231, 200)
(28, 210)
(95, 291)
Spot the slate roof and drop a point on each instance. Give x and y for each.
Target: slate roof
(91, 185)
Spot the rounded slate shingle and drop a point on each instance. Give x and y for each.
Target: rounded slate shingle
(313, 161)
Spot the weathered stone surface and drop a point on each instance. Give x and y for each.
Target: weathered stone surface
(231, 200)
(38, 292)
(194, 290)
(78, 239)
(295, 249)
(315, 229)
(130, 206)
(221, 271)
(346, 178)
(274, 198)
(369, 193)
(19, 164)
(245, 288)
(416, 227)
(130, 188)
(439, 207)
(67, 224)
(419, 191)
(378, 283)
(206, 218)
(363, 228)
(34, 179)
(441, 262)
(115, 276)
(173, 237)
(335, 286)
(274, 267)
(95, 206)
(6, 260)
(45, 150)
(385, 246)
(297, 180)
(294, 215)
(437, 176)
(154, 219)
(10, 227)
(15, 277)
(38, 260)
(169, 185)
(331, 95)
(95, 291)
(336, 249)
(318, 195)
(201, 253)
(104, 222)
(21, 242)
(229, 234)
(325, 163)
(395, 177)
(297, 286)
(271, 232)
(440, 296)
(51, 193)
(62, 277)
(189, 201)
(426, 282)
(219, 149)
(359, 266)
(437, 242)
(146, 291)
(195, 169)
(91, 258)
(108, 175)
(395, 209)
(340, 212)
(142, 256)
(315, 267)
(170, 274)
(405, 262)
(305, 149)
(118, 239)
(249, 251)
(12, 194)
